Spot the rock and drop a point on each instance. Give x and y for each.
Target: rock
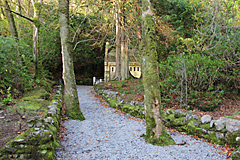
(204, 131)
(53, 107)
(206, 119)
(191, 116)
(51, 113)
(170, 111)
(19, 140)
(238, 139)
(22, 156)
(212, 123)
(141, 104)
(196, 124)
(39, 124)
(220, 135)
(49, 120)
(232, 125)
(220, 123)
(55, 102)
(179, 113)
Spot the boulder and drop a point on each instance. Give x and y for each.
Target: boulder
(170, 111)
(220, 123)
(179, 113)
(220, 135)
(206, 119)
(191, 116)
(212, 123)
(232, 125)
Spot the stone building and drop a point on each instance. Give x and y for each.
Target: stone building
(110, 65)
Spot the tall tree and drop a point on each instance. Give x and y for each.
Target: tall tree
(124, 51)
(10, 20)
(155, 131)
(71, 97)
(118, 42)
(37, 6)
(39, 74)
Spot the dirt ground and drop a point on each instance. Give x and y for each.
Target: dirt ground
(12, 124)
(14, 117)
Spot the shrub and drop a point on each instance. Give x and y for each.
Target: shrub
(191, 78)
(14, 67)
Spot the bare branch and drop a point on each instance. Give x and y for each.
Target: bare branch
(84, 41)
(79, 27)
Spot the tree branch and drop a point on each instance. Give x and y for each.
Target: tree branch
(84, 41)
(20, 15)
(79, 27)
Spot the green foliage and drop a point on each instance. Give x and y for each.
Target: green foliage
(202, 73)
(15, 75)
(50, 42)
(8, 99)
(181, 14)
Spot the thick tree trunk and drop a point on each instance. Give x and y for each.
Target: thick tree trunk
(124, 51)
(10, 20)
(155, 131)
(71, 97)
(118, 44)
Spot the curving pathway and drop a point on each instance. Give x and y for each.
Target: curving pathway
(106, 135)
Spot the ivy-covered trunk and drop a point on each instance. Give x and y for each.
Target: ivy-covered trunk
(155, 131)
(72, 108)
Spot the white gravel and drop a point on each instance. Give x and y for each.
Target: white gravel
(105, 135)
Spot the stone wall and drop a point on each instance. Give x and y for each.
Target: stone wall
(41, 139)
(221, 131)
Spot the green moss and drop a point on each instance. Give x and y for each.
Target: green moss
(36, 93)
(164, 140)
(231, 139)
(113, 103)
(179, 121)
(206, 126)
(192, 129)
(49, 155)
(170, 117)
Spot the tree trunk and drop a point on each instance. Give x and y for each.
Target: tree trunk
(118, 44)
(71, 97)
(10, 19)
(124, 51)
(155, 131)
(39, 74)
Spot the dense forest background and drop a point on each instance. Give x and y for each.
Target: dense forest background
(197, 43)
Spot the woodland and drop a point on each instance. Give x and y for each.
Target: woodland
(189, 50)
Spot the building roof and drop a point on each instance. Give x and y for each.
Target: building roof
(111, 57)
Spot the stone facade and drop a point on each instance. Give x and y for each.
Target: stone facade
(110, 65)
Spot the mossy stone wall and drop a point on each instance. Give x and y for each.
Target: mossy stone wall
(41, 139)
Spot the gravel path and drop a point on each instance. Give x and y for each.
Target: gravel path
(105, 135)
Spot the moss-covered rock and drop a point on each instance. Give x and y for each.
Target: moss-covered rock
(40, 140)
(205, 126)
